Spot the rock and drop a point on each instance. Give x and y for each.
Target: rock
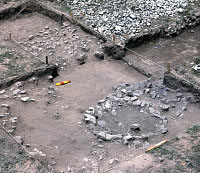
(89, 119)
(18, 84)
(108, 105)
(134, 98)
(90, 110)
(163, 129)
(28, 145)
(135, 127)
(179, 95)
(124, 91)
(2, 91)
(153, 94)
(50, 78)
(147, 90)
(108, 137)
(137, 93)
(114, 112)
(16, 92)
(113, 161)
(127, 98)
(31, 37)
(13, 120)
(101, 101)
(22, 92)
(99, 55)
(2, 115)
(136, 103)
(119, 95)
(19, 139)
(5, 106)
(179, 113)
(149, 85)
(101, 123)
(152, 110)
(25, 99)
(165, 107)
(127, 137)
(82, 59)
(85, 49)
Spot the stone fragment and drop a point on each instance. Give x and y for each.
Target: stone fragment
(89, 119)
(134, 98)
(153, 94)
(127, 98)
(135, 127)
(81, 60)
(179, 95)
(5, 106)
(101, 101)
(165, 107)
(13, 120)
(108, 105)
(137, 93)
(136, 103)
(19, 139)
(113, 161)
(101, 123)
(2, 91)
(99, 55)
(163, 129)
(15, 92)
(108, 137)
(25, 99)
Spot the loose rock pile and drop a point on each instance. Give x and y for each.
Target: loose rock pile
(135, 112)
(61, 45)
(124, 16)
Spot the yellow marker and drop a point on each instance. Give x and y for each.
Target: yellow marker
(63, 83)
(157, 145)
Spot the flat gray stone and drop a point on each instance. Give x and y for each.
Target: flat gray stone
(136, 103)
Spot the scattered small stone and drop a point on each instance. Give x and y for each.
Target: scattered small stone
(15, 92)
(99, 55)
(19, 139)
(108, 137)
(113, 161)
(18, 84)
(25, 99)
(101, 101)
(89, 118)
(50, 78)
(136, 103)
(179, 95)
(165, 107)
(108, 105)
(134, 98)
(135, 127)
(163, 129)
(5, 106)
(13, 120)
(82, 59)
(28, 145)
(2, 91)
(101, 123)
(137, 93)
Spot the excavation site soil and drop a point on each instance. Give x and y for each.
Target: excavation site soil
(107, 114)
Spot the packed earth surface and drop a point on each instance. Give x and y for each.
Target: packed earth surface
(73, 102)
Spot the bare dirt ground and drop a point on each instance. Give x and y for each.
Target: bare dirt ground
(175, 50)
(64, 137)
(52, 122)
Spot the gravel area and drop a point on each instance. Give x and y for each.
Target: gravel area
(126, 17)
